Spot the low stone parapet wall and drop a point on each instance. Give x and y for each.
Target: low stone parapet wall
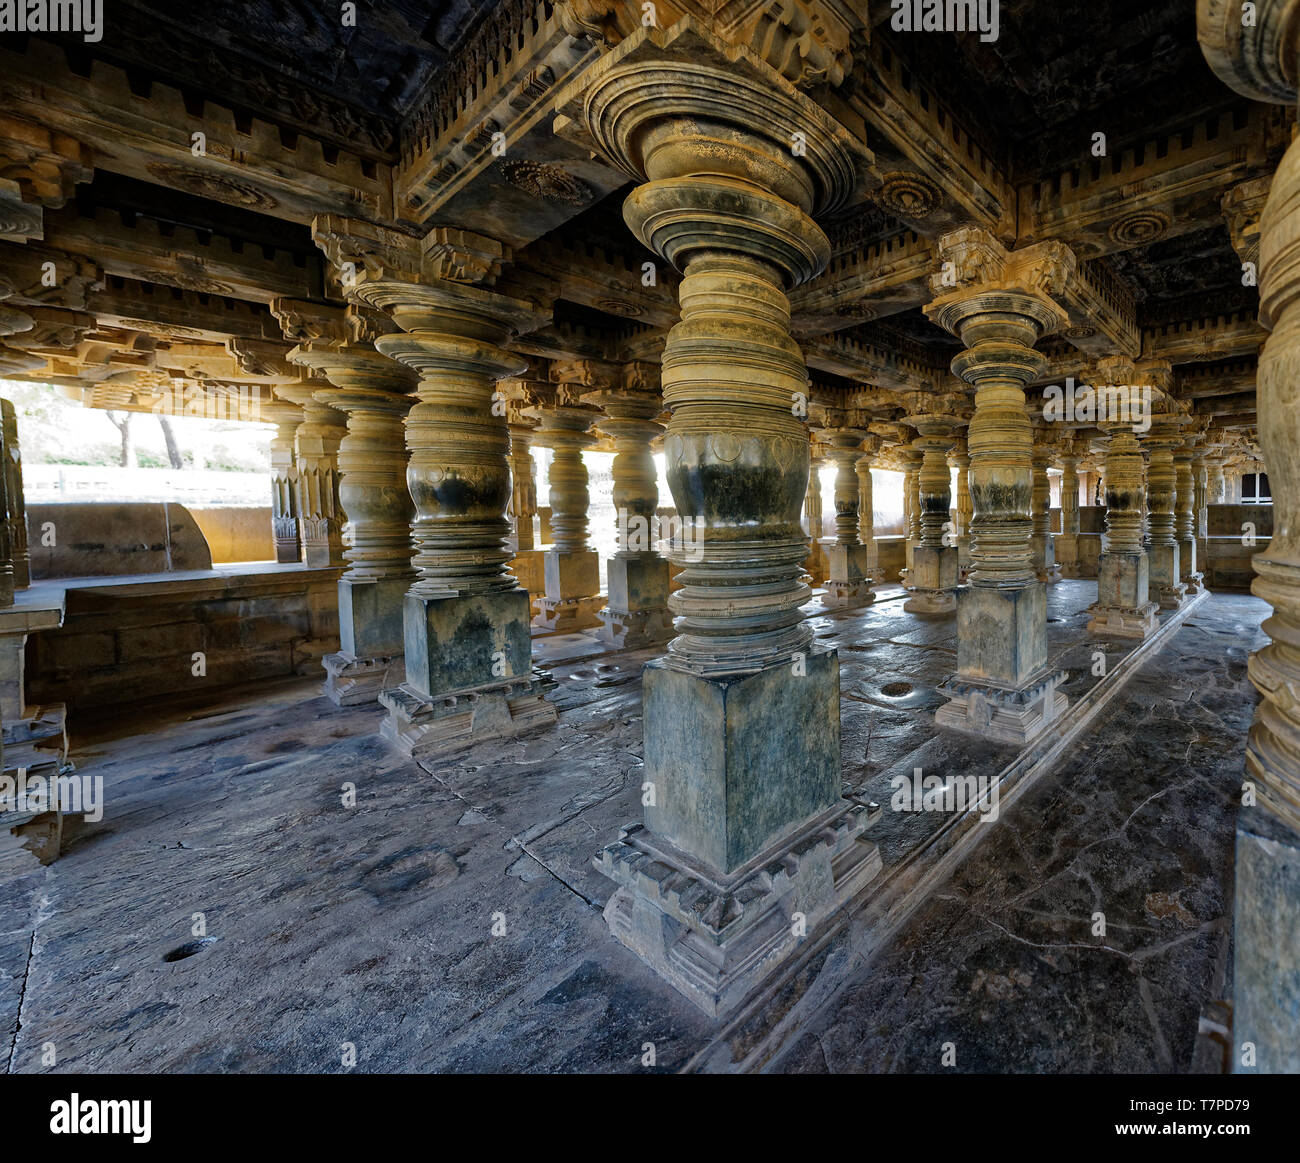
(161, 637)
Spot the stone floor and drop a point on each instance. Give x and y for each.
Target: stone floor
(373, 925)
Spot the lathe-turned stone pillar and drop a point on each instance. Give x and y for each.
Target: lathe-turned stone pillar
(1165, 553)
(284, 480)
(468, 647)
(15, 503)
(1259, 62)
(959, 459)
(316, 450)
(866, 503)
(932, 580)
(375, 394)
(911, 506)
(1004, 688)
(1067, 544)
(523, 489)
(1124, 608)
(848, 564)
(745, 821)
(1041, 540)
(1185, 520)
(572, 568)
(636, 614)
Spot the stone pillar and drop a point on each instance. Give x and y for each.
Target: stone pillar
(572, 568)
(866, 503)
(848, 561)
(1185, 520)
(316, 450)
(1067, 544)
(1201, 472)
(732, 839)
(523, 489)
(1123, 608)
(932, 580)
(1165, 554)
(911, 506)
(1259, 62)
(1004, 688)
(1041, 540)
(636, 614)
(959, 459)
(374, 393)
(1216, 484)
(467, 645)
(15, 504)
(284, 481)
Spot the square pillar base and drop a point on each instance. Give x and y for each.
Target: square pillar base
(738, 762)
(428, 728)
(1118, 622)
(1002, 634)
(572, 584)
(372, 615)
(1163, 571)
(1266, 945)
(634, 630)
(848, 576)
(529, 568)
(933, 580)
(1004, 715)
(351, 681)
(717, 939)
(637, 611)
(842, 595)
(569, 615)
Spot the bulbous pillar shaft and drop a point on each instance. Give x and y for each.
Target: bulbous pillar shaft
(738, 468)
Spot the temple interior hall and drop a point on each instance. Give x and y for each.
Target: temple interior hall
(581, 536)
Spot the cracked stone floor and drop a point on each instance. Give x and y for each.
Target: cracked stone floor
(373, 925)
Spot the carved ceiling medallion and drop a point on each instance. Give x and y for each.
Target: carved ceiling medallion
(216, 186)
(1139, 228)
(548, 182)
(909, 196)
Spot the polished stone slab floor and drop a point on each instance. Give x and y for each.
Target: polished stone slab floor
(450, 920)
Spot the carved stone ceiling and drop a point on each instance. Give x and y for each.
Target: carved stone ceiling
(293, 61)
(1063, 70)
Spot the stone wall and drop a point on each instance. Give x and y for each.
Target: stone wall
(142, 637)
